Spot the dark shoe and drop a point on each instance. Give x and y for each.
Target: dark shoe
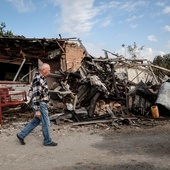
(51, 144)
(21, 140)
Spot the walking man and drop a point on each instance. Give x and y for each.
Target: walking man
(40, 101)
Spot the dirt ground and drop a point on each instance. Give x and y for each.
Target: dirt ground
(89, 147)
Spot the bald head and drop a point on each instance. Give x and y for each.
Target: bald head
(44, 66)
(44, 69)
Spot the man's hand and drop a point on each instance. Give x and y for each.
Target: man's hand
(38, 114)
(50, 106)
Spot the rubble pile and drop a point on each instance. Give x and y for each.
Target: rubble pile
(99, 92)
(117, 91)
(83, 89)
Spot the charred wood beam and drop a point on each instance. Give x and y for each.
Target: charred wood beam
(112, 97)
(114, 80)
(108, 60)
(83, 72)
(90, 92)
(83, 91)
(106, 55)
(129, 65)
(64, 85)
(83, 47)
(55, 75)
(93, 104)
(27, 74)
(154, 75)
(111, 53)
(99, 117)
(161, 68)
(137, 60)
(126, 95)
(60, 46)
(75, 103)
(55, 116)
(65, 92)
(138, 75)
(75, 116)
(92, 122)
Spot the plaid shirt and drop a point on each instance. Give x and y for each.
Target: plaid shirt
(40, 91)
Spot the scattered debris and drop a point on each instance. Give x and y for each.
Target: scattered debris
(116, 90)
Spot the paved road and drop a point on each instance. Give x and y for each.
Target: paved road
(89, 147)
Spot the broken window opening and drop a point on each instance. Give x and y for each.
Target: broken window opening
(8, 72)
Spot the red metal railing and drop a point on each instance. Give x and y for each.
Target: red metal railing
(10, 100)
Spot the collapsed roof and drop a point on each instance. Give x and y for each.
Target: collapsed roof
(14, 50)
(62, 53)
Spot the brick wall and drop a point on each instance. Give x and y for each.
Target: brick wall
(74, 56)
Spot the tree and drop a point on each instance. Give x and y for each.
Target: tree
(4, 33)
(2, 28)
(134, 50)
(162, 61)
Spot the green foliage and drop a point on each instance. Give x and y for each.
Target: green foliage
(162, 61)
(4, 33)
(2, 26)
(133, 50)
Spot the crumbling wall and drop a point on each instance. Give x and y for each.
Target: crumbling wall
(137, 74)
(74, 56)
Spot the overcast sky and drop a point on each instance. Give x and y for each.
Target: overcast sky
(100, 24)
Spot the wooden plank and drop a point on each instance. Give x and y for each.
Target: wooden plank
(91, 122)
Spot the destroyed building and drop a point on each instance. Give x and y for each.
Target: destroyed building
(82, 87)
(20, 57)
